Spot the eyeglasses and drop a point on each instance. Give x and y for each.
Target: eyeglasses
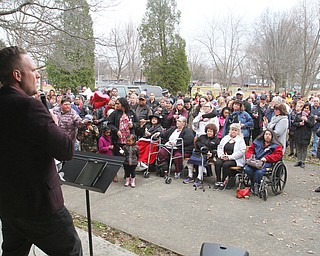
(117, 103)
(207, 106)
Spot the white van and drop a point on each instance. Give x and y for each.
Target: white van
(124, 89)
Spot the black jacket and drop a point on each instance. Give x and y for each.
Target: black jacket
(30, 140)
(303, 133)
(187, 136)
(210, 143)
(114, 122)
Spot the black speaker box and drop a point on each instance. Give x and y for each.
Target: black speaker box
(212, 249)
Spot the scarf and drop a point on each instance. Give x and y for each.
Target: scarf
(275, 120)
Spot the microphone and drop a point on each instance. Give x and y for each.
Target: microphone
(43, 99)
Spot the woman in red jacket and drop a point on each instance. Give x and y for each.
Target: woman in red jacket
(266, 148)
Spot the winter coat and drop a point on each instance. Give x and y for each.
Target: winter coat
(104, 145)
(279, 124)
(131, 154)
(316, 112)
(272, 153)
(239, 117)
(114, 122)
(199, 124)
(182, 112)
(187, 136)
(303, 132)
(238, 152)
(140, 131)
(210, 143)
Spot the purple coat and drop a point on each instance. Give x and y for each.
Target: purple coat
(104, 144)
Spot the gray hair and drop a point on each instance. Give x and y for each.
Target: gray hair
(183, 119)
(236, 126)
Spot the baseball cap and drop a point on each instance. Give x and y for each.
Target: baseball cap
(142, 97)
(164, 91)
(89, 118)
(263, 97)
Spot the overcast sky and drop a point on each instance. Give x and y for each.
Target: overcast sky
(195, 14)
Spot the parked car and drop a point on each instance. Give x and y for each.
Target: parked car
(124, 89)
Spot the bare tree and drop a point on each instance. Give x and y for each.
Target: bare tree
(274, 47)
(308, 65)
(224, 42)
(35, 24)
(198, 64)
(122, 49)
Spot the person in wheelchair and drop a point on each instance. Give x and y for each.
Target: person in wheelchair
(144, 133)
(205, 150)
(267, 149)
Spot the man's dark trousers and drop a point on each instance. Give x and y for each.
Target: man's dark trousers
(54, 234)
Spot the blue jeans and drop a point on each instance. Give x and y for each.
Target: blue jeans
(255, 175)
(54, 234)
(315, 143)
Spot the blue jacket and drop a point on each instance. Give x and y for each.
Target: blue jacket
(260, 151)
(239, 117)
(316, 112)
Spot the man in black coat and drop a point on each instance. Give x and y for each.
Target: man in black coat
(32, 209)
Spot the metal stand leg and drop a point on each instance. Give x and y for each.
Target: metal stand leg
(89, 222)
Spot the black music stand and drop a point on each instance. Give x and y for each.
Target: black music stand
(90, 171)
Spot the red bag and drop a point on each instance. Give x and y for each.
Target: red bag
(241, 193)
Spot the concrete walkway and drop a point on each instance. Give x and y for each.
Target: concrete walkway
(101, 247)
(177, 217)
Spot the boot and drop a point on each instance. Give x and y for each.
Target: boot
(127, 182)
(133, 182)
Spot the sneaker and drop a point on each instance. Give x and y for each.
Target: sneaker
(297, 164)
(177, 175)
(197, 183)
(188, 180)
(302, 165)
(217, 185)
(222, 186)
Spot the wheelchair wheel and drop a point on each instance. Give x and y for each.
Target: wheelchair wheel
(246, 181)
(168, 180)
(265, 194)
(278, 178)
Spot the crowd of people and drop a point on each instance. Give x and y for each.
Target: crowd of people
(219, 131)
(224, 126)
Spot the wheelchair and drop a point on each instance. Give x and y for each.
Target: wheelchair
(153, 150)
(274, 177)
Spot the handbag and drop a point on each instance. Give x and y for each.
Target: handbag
(241, 193)
(256, 163)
